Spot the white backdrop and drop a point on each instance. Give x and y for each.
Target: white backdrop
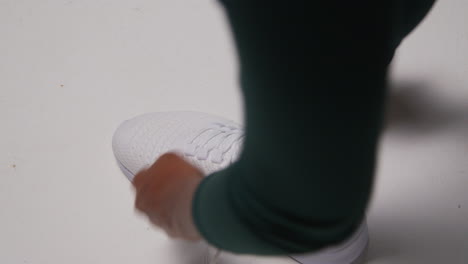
(71, 71)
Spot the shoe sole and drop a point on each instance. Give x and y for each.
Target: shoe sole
(125, 171)
(352, 251)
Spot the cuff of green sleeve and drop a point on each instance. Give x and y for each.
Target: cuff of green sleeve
(219, 223)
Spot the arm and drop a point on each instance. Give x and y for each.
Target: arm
(313, 80)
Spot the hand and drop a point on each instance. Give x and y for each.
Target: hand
(164, 193)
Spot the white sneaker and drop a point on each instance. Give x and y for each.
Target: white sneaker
(211, 143)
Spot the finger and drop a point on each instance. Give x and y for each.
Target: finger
(139, 179)
(141, 199)
(162, 225)
(156, 221)
(140, 204)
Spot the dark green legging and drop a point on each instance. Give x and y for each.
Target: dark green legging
(313, 77)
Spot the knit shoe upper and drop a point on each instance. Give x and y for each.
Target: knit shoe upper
(209, 142)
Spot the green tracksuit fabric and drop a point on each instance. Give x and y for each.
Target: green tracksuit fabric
(313, 79)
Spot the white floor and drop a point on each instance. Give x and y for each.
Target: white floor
(70, 71)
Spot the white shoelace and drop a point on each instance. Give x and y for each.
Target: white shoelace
(215, 142)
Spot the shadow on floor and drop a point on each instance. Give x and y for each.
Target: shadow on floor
(414, 240)
(413, 109)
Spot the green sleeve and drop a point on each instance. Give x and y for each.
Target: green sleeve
(313, 78)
